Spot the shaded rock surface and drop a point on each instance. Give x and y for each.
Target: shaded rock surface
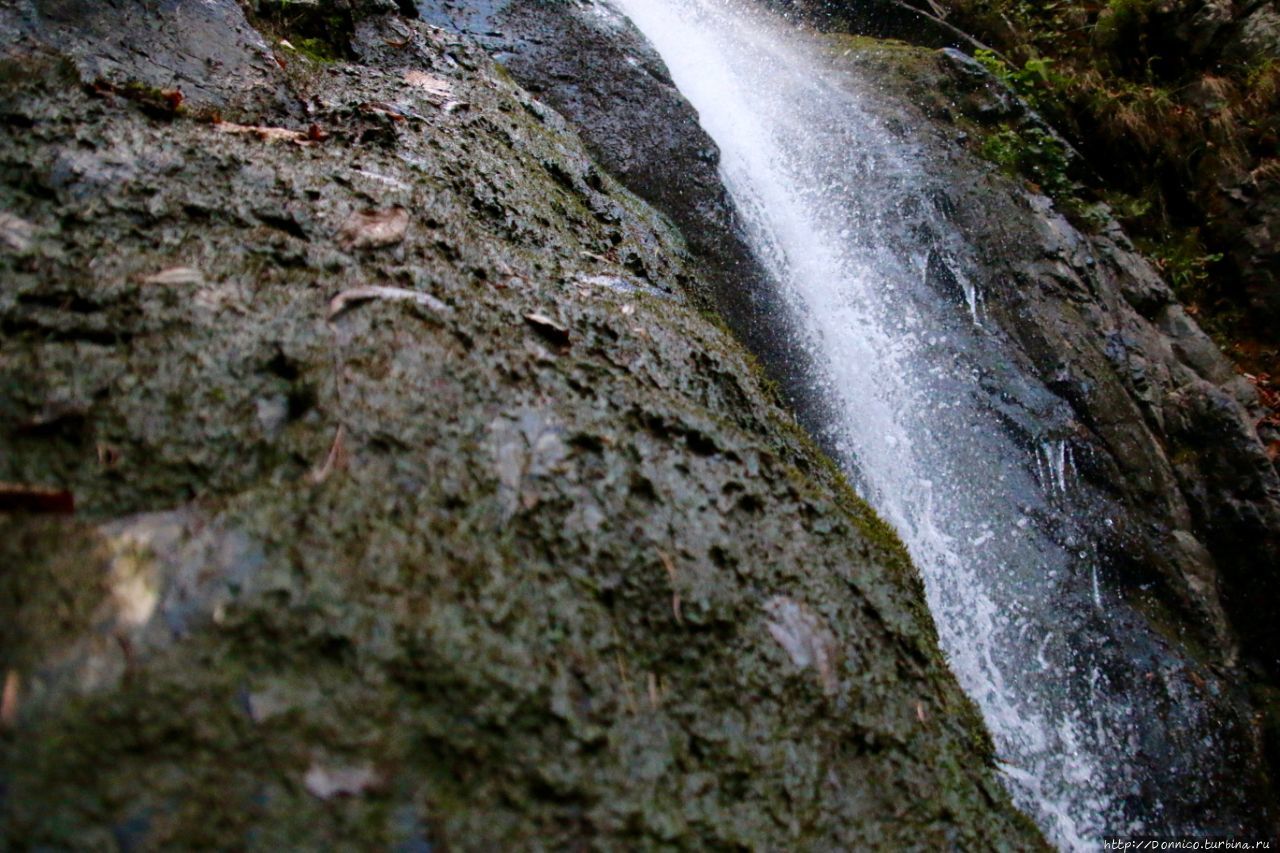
(1173, 480)
(1162, 425)
(415, 504)
(1176, 103)
(207, 50)
(921, 22)
(596, 69)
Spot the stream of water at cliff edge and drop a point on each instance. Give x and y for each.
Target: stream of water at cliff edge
(821, 186)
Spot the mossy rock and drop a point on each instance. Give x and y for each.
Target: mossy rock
(517, 551)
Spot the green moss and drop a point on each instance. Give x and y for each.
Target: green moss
(319, 34)
(317, 50)
(53, 582)
(910, 59)
(842, 44)
(1120, 25)
(1189, 267)
(1034, 155)
(1036, 81)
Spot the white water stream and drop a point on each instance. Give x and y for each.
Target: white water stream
(821, 187)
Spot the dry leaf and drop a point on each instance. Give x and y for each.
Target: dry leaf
(437, 91)
(549, 329)
(625, 680)
(16, 497)
(16, 234)
(328, 782)
(805, 637)
(347, 298)
(390, 110)
(176, 276)
(374, 229)
(675, 594)
(334, 461)
(9, 701)
(266, 134)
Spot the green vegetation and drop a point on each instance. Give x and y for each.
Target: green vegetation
(1035, 77)
(318, 34)
(1034, 154)
(1190, 268)
(1175, 117)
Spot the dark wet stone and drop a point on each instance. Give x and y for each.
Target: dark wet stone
(506, 593)
(593, 67)
(207, 50)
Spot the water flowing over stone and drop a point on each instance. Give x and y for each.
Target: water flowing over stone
(949, 433)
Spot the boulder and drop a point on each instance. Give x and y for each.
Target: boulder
(371, 478)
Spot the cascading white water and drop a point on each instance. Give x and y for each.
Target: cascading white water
(824, 192)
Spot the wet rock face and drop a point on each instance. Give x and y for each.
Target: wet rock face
(592, 65)
(1162, 424)
(1110, 338)
(1187, 48)
(207, 50)
(414, 503)
(1180, 489)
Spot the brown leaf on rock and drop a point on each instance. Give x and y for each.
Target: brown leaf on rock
(348, 298)
(549, 329)
(16, 234)
(9, 701)
(158, 103)
(670, 566)
(176, 276)
(266, 134)
(17, 497)
(391, 111)
(805, 637)
(336, 459)
(625, 680)
(435, 90)
(374, 229)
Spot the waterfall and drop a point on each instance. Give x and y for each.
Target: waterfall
(828, 195)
